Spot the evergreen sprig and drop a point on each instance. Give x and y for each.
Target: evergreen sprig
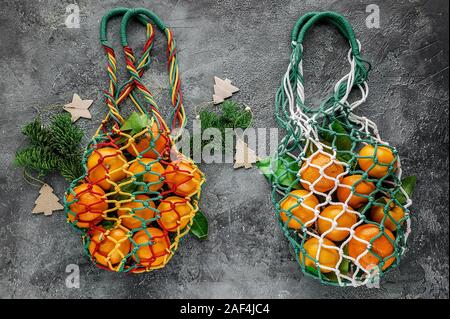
(53, 148)
(37, 133)
(232, 115)
(37, 158)
(65, 136)
(71, 167)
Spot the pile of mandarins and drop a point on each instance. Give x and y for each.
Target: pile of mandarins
(336, 220)
(147, 197)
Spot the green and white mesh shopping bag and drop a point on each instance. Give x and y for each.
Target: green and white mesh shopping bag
(336, 185)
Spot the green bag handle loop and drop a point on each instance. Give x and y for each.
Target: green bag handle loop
(302, 26)
(140, 12)
(309, 19)
(290, 105)
(119, 11)
(290, 100)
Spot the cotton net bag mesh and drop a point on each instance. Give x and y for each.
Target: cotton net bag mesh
(138, 195)
(337, 185)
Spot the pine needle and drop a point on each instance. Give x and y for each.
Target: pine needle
(56, 148)
(65, 136)
(232, 115)
(38, 158)
(70, 168)
(37, 133)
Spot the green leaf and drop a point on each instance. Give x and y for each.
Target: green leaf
(199, 226)
(380, 200)
(136, 123)
(408, 184)
(312, 270)
(264, 167)
(331, 276)
(343, 141)
(313, 148)
(129, 188)
(286, 169)
(345, 263)
(108, 224)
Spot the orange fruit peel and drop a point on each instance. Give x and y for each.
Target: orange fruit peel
(320, 254)
(86, 205)
(151, 248)
(320, 172)
(183, 177)
(299, 209)
(371, 246)
(109, 247)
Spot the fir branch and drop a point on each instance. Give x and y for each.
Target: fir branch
(235, 115)
(65, 136)
(230, 112)
(70, 168)
(54, 148)
(66, 139)
(38, 158)
(208, 119)
(37, 133)
(232, 115)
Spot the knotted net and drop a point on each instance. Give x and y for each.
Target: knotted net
(138, 195)
(337, 185)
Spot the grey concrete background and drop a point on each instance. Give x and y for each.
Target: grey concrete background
(43, 62)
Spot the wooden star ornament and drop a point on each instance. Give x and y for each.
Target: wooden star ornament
(78, 108)
(47, 202)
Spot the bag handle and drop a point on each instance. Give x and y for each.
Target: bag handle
(119, 11)
(290, 104)
(308, 20)
(178, 114)
(115, 94)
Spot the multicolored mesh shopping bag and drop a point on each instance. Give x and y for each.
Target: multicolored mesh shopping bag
(337, 186)
(138, 195)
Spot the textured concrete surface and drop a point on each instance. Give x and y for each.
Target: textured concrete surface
(44, 63)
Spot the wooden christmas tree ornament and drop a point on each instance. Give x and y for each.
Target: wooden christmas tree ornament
(223, 89)
(47, 202)
(245, 156)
